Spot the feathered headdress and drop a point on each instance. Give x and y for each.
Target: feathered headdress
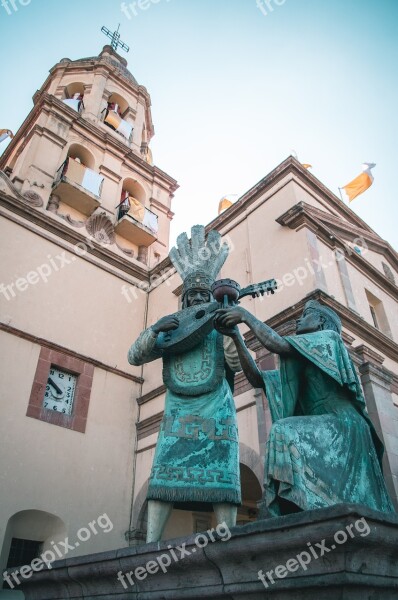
(198, 261)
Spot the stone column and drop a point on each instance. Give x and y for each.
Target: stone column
(143, 254)
(376, 382)
(93, 100)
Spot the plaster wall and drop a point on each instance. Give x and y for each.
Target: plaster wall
(75, 476)
(80, 307)
(360, 284)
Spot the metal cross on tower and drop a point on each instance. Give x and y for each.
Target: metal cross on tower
(115, 39)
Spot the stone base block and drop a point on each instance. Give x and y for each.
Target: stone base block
(347, 552)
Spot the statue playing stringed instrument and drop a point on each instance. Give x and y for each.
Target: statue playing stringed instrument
(197, 452)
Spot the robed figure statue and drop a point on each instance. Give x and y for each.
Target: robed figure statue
(322, 448)
(197, 452)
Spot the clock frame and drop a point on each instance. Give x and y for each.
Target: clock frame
(60, 362)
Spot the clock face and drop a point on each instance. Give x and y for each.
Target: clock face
(60, 391)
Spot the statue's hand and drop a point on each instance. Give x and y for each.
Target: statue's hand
(230, 331)
(166, 324)
(229, 317)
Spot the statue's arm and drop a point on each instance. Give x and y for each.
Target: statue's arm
(143, 349)
(269, 338)
(247, 362)
(231, 354)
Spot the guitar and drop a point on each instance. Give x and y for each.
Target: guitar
(259, 289)
(196, 322)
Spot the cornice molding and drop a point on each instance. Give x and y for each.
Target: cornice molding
(161, 207)
(301, 215)
(350, 320)
(293, 168)
(151, 395)
(47, 102)
(53, 346)
(48, 224)
(374, 242)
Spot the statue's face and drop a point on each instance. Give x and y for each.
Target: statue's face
(309, 321)
(197, 297)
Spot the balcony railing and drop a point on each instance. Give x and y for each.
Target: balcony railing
(113, 120)
(136, 223)
(78, 186)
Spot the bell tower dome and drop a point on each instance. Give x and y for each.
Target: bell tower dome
(83, 151)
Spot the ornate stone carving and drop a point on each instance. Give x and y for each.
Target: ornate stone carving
(71, 221)
(142, 254)
(32, 198)
(100, 227)
(53, 204)
(126, 251)
(8, 187)
(388, 272)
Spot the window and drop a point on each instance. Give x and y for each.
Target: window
(114, 116)
(73, 96)
(374, 317)
(378, 313)
(22, 552)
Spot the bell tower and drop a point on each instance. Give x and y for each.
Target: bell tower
(82, 155)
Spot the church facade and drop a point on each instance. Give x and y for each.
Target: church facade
(85, 238)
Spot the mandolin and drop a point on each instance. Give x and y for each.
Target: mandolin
(196, 322)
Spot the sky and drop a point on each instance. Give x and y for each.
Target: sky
(236, 87)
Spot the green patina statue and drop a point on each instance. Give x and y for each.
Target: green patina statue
(322, 448)
(197, 453)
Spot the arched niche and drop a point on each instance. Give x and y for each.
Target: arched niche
(251, 495)
(71, 89)
(134, 189)
(81, 154)
(132, 199)
(122, 104)
(35, 526)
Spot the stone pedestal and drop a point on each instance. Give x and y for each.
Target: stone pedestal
(346, 552)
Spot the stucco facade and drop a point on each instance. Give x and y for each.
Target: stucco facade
(79, 283)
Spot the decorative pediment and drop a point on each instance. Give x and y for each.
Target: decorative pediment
(334, 230)
(29, 197)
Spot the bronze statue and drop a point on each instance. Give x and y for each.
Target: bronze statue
(197, 453)
(322, 448)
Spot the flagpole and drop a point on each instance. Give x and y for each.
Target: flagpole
(341, 196)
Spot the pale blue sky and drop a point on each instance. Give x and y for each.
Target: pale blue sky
(234, 90)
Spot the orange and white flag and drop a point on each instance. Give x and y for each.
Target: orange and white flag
(361, 183)
(5, 133)
(226, 202)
